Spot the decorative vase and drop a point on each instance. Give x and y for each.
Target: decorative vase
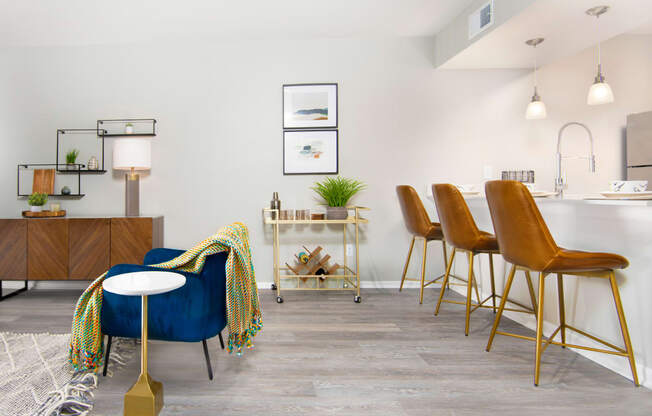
(337, 213)
(275, 203)
(65, 191)
(35, 208)
(93, 164)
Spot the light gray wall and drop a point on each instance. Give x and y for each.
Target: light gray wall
(218, 155)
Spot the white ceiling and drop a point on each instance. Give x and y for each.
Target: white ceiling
(84, 22)
(645, 29)
(566, 27)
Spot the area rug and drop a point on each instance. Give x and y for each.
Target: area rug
(36, 378)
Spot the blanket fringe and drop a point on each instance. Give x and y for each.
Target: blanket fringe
(237, 341)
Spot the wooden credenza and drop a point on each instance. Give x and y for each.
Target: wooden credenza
(74, 248)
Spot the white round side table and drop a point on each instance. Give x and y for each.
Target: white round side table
(145, 397)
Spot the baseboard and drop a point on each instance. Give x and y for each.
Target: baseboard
(366, 284)
(45, 284)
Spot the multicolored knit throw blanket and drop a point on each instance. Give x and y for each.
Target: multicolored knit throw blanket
(242, 304)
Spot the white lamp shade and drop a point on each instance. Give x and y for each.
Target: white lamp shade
(536, 110)
(600, 93)
(132, 154)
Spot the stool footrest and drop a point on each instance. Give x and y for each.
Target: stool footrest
(476, 306)
(549, 340)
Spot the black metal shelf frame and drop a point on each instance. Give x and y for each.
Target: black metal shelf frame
(103, 132)
(28, 165)
(82, 168)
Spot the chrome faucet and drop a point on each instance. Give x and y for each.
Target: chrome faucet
(560, 183)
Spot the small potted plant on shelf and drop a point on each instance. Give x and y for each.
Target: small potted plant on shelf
(71, 157)
(336, 192)
(36, 201)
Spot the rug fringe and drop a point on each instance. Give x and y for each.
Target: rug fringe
(76, 398)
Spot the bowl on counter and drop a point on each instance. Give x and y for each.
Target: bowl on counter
(628, 186)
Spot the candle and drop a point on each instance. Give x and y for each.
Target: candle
(54, 207)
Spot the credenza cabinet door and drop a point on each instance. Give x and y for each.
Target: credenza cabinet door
(90, 242)
(13, 249)
(131, 239)
(47, 249)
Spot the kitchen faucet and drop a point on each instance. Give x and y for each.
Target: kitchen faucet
(560, 183)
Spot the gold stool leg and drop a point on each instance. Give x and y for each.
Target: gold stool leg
(145, 397)
(508, 286)
(493, 282)
(445, 282)
(623, 327)
(407, 263)
(443, 247)
(562, 310)
(423, 270)
(468, 294)
(537, 358)
(530, 288)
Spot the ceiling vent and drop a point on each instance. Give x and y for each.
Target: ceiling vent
(481, 19)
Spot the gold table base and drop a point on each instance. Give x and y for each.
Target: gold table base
(145, 397)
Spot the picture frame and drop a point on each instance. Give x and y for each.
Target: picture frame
(310, 152)
(310, 106)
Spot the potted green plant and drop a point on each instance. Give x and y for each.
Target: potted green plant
(71, 157)
(36, 201)
(336, 192)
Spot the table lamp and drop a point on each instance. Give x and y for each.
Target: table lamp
(133, 154)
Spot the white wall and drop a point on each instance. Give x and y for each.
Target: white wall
(218, 156)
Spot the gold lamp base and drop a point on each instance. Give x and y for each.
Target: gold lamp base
(144, 398)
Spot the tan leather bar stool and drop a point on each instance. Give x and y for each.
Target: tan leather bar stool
(526, 242)
(419, 225)
(461, 233)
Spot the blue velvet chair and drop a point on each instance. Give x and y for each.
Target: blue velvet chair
(194, 312)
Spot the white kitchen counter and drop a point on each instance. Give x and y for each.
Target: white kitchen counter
(618, 226)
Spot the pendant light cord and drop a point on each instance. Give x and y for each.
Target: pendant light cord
(535, 66)
(597, 29)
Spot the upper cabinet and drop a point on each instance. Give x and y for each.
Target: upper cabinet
(501, 44)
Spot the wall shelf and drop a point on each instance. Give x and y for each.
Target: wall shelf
(61, 165)
(142, 127)
(82, 171)
(23, 167)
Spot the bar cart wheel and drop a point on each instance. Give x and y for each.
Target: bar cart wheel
(273, 286)
(357, 299)
(279, 299)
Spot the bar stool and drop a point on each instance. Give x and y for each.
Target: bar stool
(419, 225)
(461, 233)
(526, 242)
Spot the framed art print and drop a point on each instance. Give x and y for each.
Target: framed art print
(310, 152)
(309, 106)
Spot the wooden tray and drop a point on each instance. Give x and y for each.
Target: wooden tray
(44, 214)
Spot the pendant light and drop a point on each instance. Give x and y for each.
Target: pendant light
(600, 92)
(536, 110)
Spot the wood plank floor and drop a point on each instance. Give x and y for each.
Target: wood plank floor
(322, 354)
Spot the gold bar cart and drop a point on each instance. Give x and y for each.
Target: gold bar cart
(348, 275)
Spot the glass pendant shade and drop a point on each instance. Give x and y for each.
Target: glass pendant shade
(536, 110)
(600, 92)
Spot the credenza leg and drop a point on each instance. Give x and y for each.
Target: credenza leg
(14, 293)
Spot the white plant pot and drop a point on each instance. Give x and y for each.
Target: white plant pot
(35, 208)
